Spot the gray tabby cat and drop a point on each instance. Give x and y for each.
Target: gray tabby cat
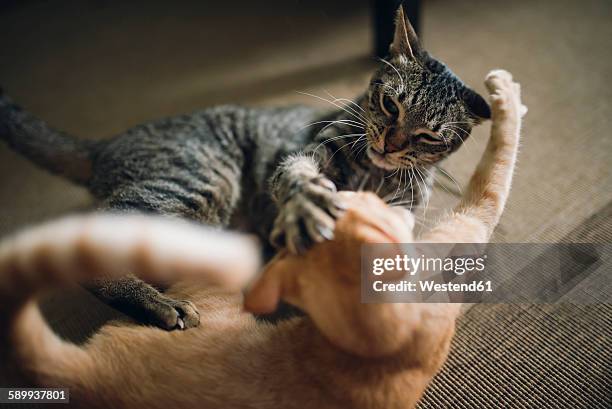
(271, 171)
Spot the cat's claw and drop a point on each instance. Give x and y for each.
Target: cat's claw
(170, 314)
(308, 217)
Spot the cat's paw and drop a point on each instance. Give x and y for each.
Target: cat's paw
(308, 217)
(505, 95)
(170, 314)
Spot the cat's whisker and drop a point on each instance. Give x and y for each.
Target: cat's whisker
(401, 203)
(419, 174)
(457, 128)
(353, 103)
(323, 130)
(411, 192)
(354, 144)
(449, 176)
(363, 182)
(346, 105)
(399, 183)
(409, 178)
(330, 123)
(421, 189)
(361, 138)
(394, 91)
(459, 122)
(362, 148)
(436, 179)
(337, 150)
(458, 136)
(335, 138)
(407, 183)
(387, 198)
(345, 100)
(392, 174)
(380, 185)
(352, 113)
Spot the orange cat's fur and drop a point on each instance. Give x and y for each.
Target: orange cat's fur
(342, 354)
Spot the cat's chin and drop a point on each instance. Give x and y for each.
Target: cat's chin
(379, 160)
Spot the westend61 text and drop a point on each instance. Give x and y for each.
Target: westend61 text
(429, 286)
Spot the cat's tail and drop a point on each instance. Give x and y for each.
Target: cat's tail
(64, 252)
(49, 148)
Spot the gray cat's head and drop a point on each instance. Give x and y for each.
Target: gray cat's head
(418, 110)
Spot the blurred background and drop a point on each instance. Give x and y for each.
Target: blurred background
(94, 68)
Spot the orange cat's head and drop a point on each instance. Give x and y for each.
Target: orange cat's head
(325, 282)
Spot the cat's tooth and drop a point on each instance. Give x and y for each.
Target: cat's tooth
(180, 323)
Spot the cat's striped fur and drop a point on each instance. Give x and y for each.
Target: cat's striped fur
(273, 171)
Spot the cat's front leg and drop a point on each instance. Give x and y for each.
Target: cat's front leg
(141, 301)
(308, 204)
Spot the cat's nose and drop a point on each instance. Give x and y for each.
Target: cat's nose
(395, 142)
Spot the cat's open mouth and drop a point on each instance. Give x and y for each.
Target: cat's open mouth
(381, 160)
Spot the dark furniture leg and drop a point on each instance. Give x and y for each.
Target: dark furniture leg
(384, 16)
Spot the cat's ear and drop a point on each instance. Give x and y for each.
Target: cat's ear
(477, 106)
(405, 40)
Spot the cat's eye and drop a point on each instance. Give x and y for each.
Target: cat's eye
(428, 138)
(389, 106)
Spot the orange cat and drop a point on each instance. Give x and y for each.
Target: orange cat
(342, 354)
